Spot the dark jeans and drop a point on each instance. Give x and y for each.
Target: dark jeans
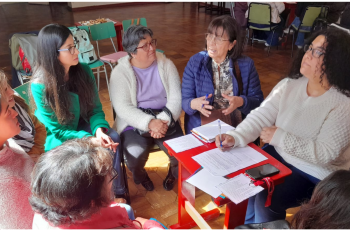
(296, 188)
(136, 150)
(118, 183)
(276, 35)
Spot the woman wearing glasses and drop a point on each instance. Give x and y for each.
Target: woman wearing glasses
(146, 95)
(66, 96)
(229, 79)
(304, 121)
(80, 196)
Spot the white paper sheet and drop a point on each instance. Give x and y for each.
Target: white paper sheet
(183, 143)
(237, 189)
(223, 163)
(206, 182)
(211, 130)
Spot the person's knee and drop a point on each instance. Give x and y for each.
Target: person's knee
(114, 135)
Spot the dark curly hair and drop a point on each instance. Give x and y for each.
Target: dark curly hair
(329, 206)
(336, 62)
(68, 182)
(233, 30)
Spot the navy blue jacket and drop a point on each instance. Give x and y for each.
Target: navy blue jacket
(197, 81)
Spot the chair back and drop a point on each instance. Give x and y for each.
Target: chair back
(22, 90)
(136, 21)
(86, 28)
(102, 31)
(259, 13)
(311, 13)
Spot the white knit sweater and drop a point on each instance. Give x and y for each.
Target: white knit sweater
(313, 132)
(123, 90)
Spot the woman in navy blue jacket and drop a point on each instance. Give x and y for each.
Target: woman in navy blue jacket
(215, 72)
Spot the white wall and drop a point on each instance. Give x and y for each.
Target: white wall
(85, 4)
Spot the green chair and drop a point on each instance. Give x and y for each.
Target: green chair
(260, 13)
(310, 15)
(22, 90)
(106, 31)
(136, 21)
(97, 64)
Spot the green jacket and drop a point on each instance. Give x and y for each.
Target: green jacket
(57, 133)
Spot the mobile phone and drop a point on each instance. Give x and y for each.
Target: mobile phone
(262, 171)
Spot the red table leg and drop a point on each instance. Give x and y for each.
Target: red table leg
(118, 29)
(235, 214)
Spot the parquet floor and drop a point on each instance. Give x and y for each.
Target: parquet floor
(180, 29)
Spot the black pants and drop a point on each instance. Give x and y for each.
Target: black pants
(136, 150)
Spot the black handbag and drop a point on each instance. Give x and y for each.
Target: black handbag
(277, 224)
(154, 112)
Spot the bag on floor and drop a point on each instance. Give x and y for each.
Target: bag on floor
(86, 49)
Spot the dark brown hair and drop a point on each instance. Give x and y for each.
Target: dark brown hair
(329, 206)
(50, 72)
(233, 31)
(68, 182)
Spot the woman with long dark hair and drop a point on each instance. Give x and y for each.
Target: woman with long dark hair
(66, 96)
(305, 121)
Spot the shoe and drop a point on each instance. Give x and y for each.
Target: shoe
(121, 198)
(148, 185)
(267, 44)
(287, 30)
(169, 181)
(300, 47)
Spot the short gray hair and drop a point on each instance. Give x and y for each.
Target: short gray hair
(132, 37)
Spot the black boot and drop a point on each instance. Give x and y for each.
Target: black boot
(169, 181)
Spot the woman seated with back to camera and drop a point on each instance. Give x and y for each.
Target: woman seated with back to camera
(72, 188)
(305, 121)
(142, 82)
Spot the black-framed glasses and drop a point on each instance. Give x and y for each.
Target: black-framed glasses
(315, 52)
(146, 46)
(217, 40)
(70, 49)
(114, 175)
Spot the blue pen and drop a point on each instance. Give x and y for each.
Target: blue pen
(220, 133)
(206, 97)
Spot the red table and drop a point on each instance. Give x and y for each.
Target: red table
(235, 214)
(118, 29)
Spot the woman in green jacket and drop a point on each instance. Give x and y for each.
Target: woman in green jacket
(66, 96)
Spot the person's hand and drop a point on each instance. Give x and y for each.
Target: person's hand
(141, 220)
(202, 105)
(267, 134)
(158, 126)
(234, 103)
(227, 141)
(105, 140)
(156, 135)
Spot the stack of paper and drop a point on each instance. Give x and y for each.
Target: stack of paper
(208, 132)
(183, 143)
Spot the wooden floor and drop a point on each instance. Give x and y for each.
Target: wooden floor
(180, 29)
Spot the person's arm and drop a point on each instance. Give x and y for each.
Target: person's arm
(254, 96)
(121, 99)
(39, 137)
(174, 92)
(332, 140)
(188, 88)
(263, 116)
(48, 117)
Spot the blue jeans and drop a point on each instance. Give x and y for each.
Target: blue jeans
(296, 188)
(129, 210)
(278, 32)
(118, 183)
(301, 36)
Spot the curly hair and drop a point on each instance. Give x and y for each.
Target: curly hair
(68, 182)
(329, 206)
(336, 63)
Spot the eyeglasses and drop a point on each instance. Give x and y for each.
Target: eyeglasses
(217, 40)
(315, 52)
(70, 49)
(114, 174)
(146, 46)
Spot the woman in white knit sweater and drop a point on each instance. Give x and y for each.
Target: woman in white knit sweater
(305, 121)
(145, 82)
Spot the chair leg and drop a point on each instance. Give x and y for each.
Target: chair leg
(98, 78)
(104, 67)
(292, 44)
(252, 37)
(127, 193)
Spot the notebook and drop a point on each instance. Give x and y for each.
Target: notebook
(208, 132)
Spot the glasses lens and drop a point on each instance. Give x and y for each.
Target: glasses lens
(72, 49)
(209, 36)
(154, 42)
(306, 48)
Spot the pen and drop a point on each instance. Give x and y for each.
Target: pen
(206, 97)
(220, 133)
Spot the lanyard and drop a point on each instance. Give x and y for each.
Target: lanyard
(270, 187)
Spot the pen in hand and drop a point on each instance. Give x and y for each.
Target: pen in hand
(206, 97)
(220, 133)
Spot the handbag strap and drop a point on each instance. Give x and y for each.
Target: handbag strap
(238, 77)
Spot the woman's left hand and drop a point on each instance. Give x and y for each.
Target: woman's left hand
(106, 141)
(267, 134)
(234, 102)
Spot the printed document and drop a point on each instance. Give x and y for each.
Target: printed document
(183, 143)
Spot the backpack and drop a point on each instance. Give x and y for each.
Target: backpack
(25, 64)
(320, 22)
(86, 49)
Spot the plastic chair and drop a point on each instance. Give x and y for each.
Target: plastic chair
(311, 13)
(260, 13)
(97, 64)
(22, 90)
(137, 21)
(106, 31)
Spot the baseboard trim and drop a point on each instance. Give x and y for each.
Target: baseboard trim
(113, 5)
